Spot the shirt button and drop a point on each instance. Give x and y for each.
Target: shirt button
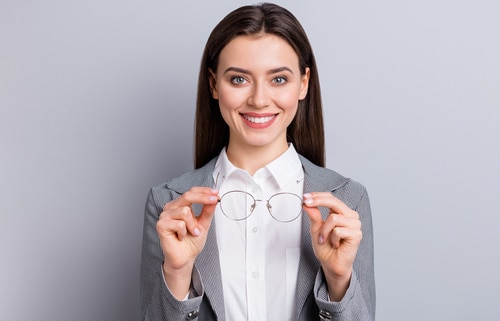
(255, 229)
(255, 275)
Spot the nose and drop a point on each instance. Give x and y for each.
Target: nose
(259, 96)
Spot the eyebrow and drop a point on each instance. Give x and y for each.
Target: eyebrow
(248, 72)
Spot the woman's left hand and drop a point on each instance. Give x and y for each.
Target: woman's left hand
(335, 240)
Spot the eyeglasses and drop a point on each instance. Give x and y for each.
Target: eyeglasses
(284, 207)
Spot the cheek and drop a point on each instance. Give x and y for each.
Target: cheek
(288, 101)
(228, 103)
(230, 99)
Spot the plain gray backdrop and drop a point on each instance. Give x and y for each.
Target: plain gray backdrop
(97, 103)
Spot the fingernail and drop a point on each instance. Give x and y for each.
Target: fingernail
(308, 201)
(307, 195)
(213, 198)
(214, 191)
(196, 231)
(321, 239)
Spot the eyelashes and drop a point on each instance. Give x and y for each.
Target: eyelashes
(238, 80)
(280, 80)
(241, 80)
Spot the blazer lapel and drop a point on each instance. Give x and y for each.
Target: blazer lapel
(315, 180)
(208, 265)
(308, 264)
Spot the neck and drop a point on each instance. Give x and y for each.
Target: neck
(253, 158)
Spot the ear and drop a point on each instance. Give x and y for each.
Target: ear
(304, 84)
(213, 84)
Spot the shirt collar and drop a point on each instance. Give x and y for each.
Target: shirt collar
(283, 169)
(287, 167)
(223, 168)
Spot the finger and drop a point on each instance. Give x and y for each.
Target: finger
(183, 214)
(317, 223)
(168, 227)
(345, 235)
(181, 209)
(337, 220)
(314, 216)
(335, 223)
(327, 199)
(205, 218)
(196, 195)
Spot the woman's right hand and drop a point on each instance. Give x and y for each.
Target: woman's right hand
(183, 236)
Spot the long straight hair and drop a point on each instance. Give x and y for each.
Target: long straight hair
(306, 131)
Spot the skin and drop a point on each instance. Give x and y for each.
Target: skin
(258, 85)
(258, 76)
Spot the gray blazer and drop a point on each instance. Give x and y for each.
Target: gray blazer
(206, 301)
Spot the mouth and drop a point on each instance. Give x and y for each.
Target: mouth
(259, 119)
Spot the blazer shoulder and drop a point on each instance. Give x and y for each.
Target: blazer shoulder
(325, 179)
(174, 187)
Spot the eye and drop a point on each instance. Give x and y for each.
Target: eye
(280, 80)
(238, 80)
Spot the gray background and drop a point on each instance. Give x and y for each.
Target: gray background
(96, 105)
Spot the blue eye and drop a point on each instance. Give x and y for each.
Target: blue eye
(279, 80)
(238, 80)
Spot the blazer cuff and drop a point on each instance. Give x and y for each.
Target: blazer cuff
(193, 298)
(322, 296)
(196, 285)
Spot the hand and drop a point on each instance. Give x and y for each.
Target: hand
(183, 235)
(335, 241)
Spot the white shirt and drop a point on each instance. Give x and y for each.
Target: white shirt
(259, 256)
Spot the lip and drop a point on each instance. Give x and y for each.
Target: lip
(254, 120)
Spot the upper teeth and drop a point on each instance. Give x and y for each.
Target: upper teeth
(259, 120)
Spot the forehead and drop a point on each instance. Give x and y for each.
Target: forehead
(265, 51)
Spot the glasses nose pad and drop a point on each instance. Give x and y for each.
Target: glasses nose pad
(252, 207)
(269, 207)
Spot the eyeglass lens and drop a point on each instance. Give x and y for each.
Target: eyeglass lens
(239, 205)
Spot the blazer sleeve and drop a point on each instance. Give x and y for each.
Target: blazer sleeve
(358, 304)
(157, 302)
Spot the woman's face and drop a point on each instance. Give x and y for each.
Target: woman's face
(258, 85)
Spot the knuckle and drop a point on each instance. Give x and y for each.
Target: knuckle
(189, 194)
(181, 225)
(169, 205)
(185, 212)
(162, 226)
(159, 225)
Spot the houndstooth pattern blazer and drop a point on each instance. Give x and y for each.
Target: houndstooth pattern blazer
(206, 302)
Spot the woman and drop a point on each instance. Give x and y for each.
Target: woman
(260, 230)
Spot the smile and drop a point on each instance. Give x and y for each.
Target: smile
(259, 120)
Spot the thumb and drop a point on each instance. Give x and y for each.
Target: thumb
(206, 215)
(315, 217)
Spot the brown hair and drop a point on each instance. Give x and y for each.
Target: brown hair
(306, 130)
